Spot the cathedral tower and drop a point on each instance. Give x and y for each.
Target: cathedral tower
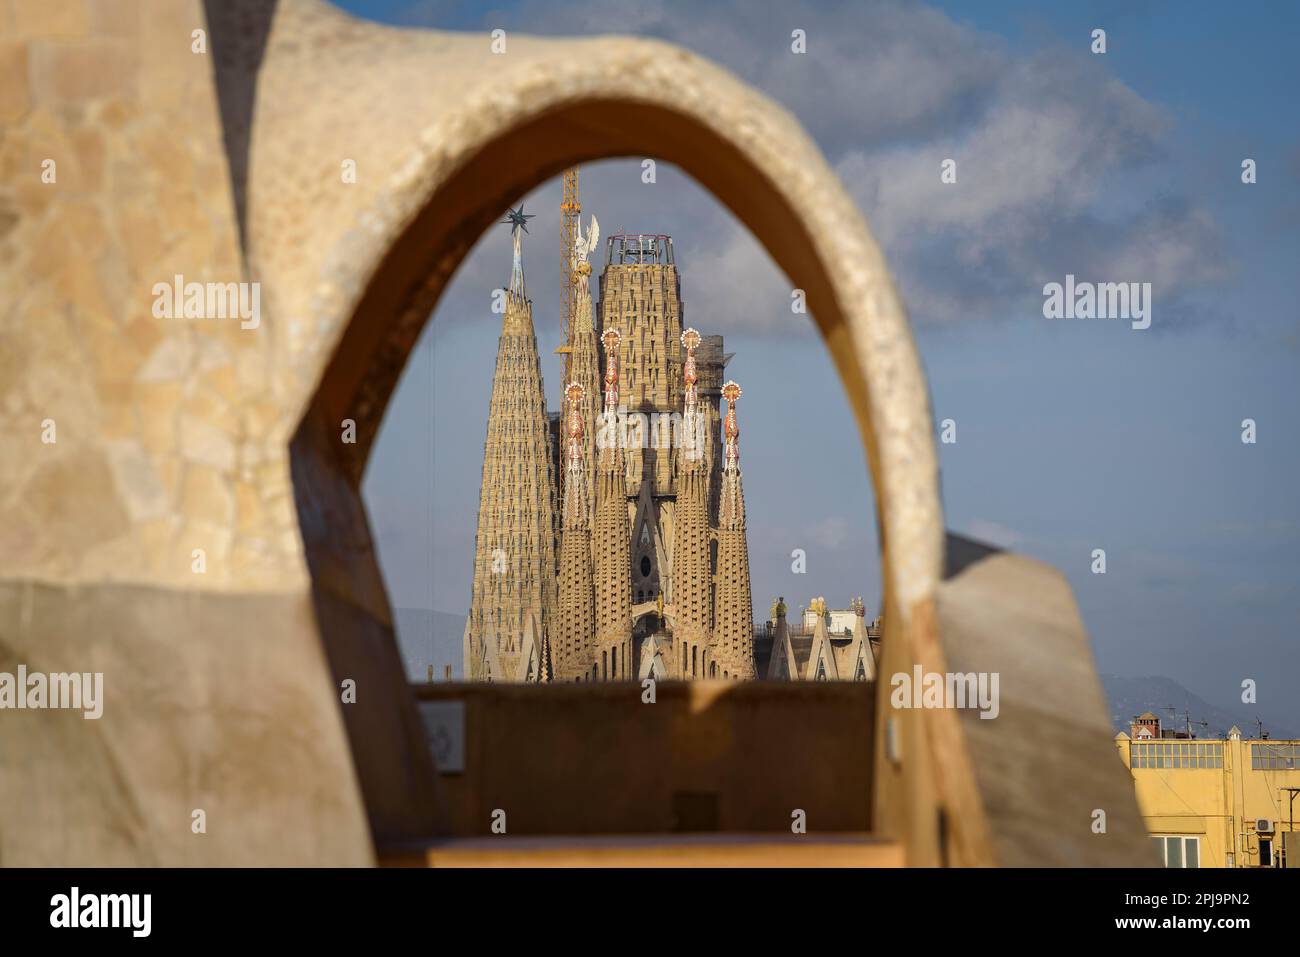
(692, 579)
(640, 295)
(583, 358)
(610, 540)
(575, 629)
(514, 595)
(732, 650)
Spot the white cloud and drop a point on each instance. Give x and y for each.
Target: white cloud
(1055, 159)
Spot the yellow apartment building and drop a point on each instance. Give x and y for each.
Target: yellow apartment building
(1215, 803)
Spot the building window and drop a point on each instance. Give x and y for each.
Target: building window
(1179, 851)
(1265, 756)
(1177, 754)
(1265, 853)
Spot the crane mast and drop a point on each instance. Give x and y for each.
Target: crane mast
(570, 213)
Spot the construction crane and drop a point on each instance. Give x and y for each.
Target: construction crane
(570, 214)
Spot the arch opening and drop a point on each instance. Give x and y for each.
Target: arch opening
(353, 611)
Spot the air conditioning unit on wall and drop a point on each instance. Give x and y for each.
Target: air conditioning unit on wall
(1263, 826)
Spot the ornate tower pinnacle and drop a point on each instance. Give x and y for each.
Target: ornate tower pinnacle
(690, 379)
(694, 432)
(692, 579)
(582, 360)
(611, 339)
(575, 630)
(733, 637)
(517, 220)
(731, 430)
(574, 393)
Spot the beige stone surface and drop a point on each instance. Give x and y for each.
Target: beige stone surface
(166, 439)
(211, 702)
(139, 196)
(15, 94)
(1046, 764)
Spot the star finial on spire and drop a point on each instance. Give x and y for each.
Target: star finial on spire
(517, 219)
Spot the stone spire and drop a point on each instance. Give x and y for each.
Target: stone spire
(584, 362)
(517, 220)
(861, 658)
(692, 579)
(611, 537)
(782, 666)
(822, 665)
(575, 629)
(733, 635)
(512, 604)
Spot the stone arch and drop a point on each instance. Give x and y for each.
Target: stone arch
(816, 237)
(443, 137)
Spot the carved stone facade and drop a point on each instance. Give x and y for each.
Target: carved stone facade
(573, 646)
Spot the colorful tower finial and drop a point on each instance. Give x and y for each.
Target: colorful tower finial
(575, 393)
(611, 340)
(693, 437)
(517, 220)
(691, 342)
(731, 430)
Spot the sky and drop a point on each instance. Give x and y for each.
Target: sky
(1071, 435)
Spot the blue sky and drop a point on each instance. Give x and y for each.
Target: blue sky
(1072, 435)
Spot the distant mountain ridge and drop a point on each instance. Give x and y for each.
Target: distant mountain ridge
(1130, 696)
(426, 637)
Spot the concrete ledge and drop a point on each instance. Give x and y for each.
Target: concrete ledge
(712, 850)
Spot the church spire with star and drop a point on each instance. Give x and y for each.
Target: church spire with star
(514, 595)
(517, 220)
